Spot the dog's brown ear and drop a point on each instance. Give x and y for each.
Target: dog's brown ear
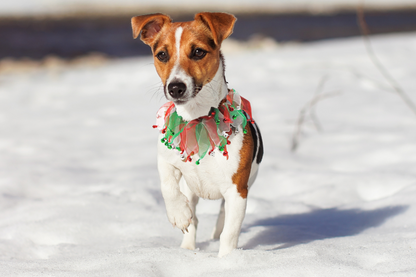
(220, 24)
(149, 25)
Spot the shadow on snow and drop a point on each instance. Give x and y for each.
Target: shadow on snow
(291, 230)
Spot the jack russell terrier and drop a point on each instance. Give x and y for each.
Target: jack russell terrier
(202, 117)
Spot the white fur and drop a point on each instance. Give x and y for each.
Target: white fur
(189, 237)
(210, 180)
(235, 210)
(178, 37)
(178, 74)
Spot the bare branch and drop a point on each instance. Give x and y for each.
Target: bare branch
(313, 115)
(375, 82)
(393, 83)
(310, 107)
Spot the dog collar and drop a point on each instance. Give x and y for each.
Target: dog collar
(204, 134)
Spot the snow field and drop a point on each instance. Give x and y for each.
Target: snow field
(79, 189)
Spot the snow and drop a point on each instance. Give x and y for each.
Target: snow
(79, 189)
(56, 7)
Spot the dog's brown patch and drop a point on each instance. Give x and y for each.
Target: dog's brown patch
(195, 36)
(164, 43)
(240, 178)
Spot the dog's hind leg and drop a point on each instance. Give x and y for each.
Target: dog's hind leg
(220, 222)
(189, 237)
(235, 209)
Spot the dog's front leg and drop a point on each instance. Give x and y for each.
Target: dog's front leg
(177, 205)
(235, 210)
(188, 241)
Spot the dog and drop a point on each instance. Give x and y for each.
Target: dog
(211, 147)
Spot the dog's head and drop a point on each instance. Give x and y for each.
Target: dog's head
(186, 54)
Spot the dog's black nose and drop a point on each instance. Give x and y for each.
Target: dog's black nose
(176, 90)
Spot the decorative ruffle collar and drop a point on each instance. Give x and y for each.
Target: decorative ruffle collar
(207, 133)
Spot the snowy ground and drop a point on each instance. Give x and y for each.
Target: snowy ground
(79, 190)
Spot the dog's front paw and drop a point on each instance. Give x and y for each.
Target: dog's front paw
(179, 214)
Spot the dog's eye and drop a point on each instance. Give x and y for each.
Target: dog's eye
(198, 54)
(162, 56)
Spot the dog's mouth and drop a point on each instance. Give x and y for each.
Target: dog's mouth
(180, 102)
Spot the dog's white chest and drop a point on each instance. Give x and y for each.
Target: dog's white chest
(212, 177)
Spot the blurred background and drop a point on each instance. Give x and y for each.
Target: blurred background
(45, 30)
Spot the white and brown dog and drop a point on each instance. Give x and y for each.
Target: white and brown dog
(188, 60)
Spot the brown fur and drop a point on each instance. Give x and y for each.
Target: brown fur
(240, 178)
